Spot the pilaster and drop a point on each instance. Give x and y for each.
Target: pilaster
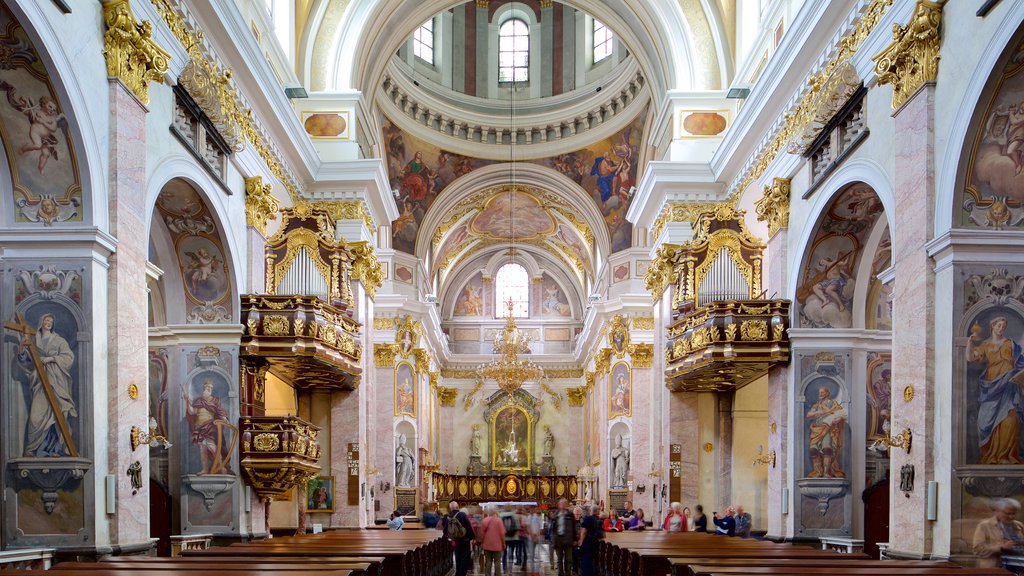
(779, 401)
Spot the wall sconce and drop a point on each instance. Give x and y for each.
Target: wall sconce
(385, 487)
(641, 489)
(762, 458)
(901, 440)
(152, 439)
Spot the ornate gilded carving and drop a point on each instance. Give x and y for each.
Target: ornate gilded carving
(754, 330)
(846, 48)
(576, 396)
(567, 373)
(661, 273)
(680, 212)
(384, 323)
(642, 355)
(266, 442)
(773, 207)
(422, 360)
(730, 332)
(835, 91)
(366, 268)
(446, 396)
(643, 323)
(912, 60)
(778, 330)
(133, 57)
(384, 355)
(589, 379)
(459, 373)
(260, 205)
(275, 326)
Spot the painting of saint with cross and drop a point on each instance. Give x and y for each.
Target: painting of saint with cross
(45, 364)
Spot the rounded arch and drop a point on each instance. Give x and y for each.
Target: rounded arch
(88, 136)
(373, 30)
(951, 172)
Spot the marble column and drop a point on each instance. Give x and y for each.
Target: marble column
(913, 334)
(344, 430)
(779, 524)
(126, 317)
(725, 426)
(643, 451)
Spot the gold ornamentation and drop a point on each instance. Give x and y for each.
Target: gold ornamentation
(423, 359)
(642, 355)
(384, 355)
(366, 267)
(912, 60)
(576, 396)
(299, 326)
(708, 447)
(556, 398)
(266, 442)
(643, 323)
(589, 379)
(446, 396)
(569, 373)
(908, 393)
(251, 325)
(602, 361)
(902, 440)
(774, 427)
(260, 204)
(329, 335)
(468, 399)
(458, 374)
(768, 458)
(730, 332)
(754, 330)
(133, 391)
(384, 323)
(835, 91)
(680, 212)
(777, 331)
(661, 273)
(211, 86)
(275, 326)
(773, 207)
(791, 123)
(133, 57)
(510, 370)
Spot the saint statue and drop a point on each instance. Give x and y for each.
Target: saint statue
(405, 462)
(549, 441)
(620, 463)
(474, 441)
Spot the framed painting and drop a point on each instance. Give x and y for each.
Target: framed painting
(320, 494)
(511, 439)
(405, 389)
(620, 397)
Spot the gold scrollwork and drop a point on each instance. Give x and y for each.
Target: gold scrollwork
(576, 396)
(260, 204)
(912, 59)
(275, 326)
(754, 330)
(384, 355)
(642, 355)
(133, 57)
(773, 207)
(266, 442)
(730, 332)
(446, 396)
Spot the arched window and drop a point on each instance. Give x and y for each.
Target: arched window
(513, 51)
(602, 41)
(513, 282)
(423, 42)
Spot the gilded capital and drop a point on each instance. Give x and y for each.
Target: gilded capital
(384, 355)
(642, 355)
(773, 207)
(366, 267)
(661, 273)
(446, 396)
(576, 396)
(912, 59)
(260, 205)
(133, 57)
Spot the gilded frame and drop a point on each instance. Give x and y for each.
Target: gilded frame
(613, 411)
(401, 408)
(529, 440)
(331, 493)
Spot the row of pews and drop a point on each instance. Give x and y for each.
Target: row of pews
(699, 554)
(335, 553)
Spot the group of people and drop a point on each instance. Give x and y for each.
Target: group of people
(498, 539)
(734, 522)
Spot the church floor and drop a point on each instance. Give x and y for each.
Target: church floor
(541, 567)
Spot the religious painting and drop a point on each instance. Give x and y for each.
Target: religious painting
(511, 439)
(826, 420)
(553, 303)
(212, 434)
(405, 390)
(504, 213)
(327, 125)
(620, 393)
(618, 336)
(993, 193)
(205, 272)
(878, 312)
(406, 336)
(470, 301)
(825, 294)
(320, 494)
(35, 134)
(568, 237)
(403, 273)
(879, 394)
(159, 405)
(456, 239)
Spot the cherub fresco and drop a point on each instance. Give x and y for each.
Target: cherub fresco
(44, 121)
(204, 273)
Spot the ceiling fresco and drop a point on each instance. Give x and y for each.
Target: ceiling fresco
(606, 170)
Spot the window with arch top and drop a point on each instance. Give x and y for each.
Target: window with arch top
(512, 282)
(514, 51)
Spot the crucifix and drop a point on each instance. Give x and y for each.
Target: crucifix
(28, 344)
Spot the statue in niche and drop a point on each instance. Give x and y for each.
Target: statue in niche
(549, 442)
(474, 441)
(620, 463)
(405, 464)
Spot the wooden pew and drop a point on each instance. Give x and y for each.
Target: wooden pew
(797, 570)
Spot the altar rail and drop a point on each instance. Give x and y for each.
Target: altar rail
(508, 487)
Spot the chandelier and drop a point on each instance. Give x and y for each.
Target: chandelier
(508, 369)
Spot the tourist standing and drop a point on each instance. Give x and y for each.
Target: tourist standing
(492, 540)
(591, 532)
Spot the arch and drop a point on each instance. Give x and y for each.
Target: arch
(370, 34)
(950, 173)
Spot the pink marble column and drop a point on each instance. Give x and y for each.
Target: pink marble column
(643, 451)
(683, 430)
(913, 338)
(126, 317)
(778, 399)
(383, 445)
(344, 431)
(725, 403)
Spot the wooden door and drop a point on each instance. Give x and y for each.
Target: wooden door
(876, 517)
(160, 517)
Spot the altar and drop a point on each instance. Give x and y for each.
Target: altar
(470, 489)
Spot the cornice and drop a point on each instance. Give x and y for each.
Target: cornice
(664, 182)
(91, 239)
(357, 180)
(966, 245)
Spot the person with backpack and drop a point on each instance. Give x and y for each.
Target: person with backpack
(492, 540)
(563, 537)
(458, 529)
(591, 532)
(511, 521)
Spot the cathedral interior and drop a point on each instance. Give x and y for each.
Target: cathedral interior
(271, 267)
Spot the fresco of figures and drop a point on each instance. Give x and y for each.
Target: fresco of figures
(419, 171)
(471, 301)
(552, 302)
(35, 134)
(878, 313)
(620, 398)
(993, 195)
(879, 395)
(405, 390)
(825, 294)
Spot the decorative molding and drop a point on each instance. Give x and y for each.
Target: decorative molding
(576, 396)
(446, 396)
(366, 267)
(912, 60)
(384, 323)
(132, 56)
(642, 355)
(566, 373)
(346, 210)
(680, 212)
(458, 374)
(792, 120)
(661, 272)
(773, 207)
(643, 323)
(834, 92)
(260, 205)
(384, 355)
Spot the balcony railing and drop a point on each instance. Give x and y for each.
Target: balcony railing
(277, 453)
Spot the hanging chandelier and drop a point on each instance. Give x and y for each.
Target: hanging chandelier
(508, 369)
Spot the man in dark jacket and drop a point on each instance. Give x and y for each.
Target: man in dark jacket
(726, 526)
(591, 532)
(462, 545)
(563, 537)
